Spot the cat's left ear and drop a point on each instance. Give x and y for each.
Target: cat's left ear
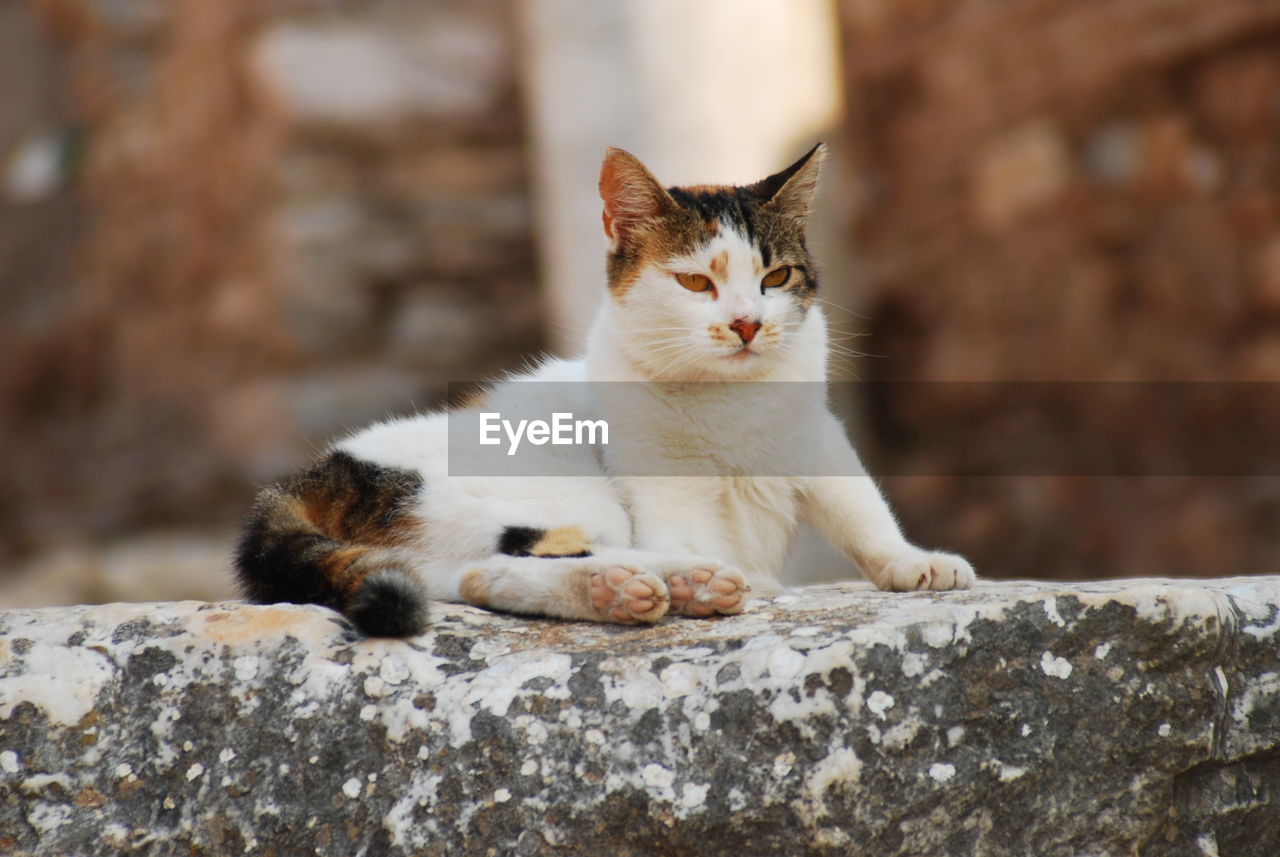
(792, 190)
(631, 195)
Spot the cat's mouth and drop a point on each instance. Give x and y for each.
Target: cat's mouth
(746, 352)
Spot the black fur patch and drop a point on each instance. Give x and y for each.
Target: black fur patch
(519, 541)
(389, 604)
(739, 206)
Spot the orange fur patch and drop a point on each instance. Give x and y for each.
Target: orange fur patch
(562, 541)
(474, 588)
(337, 568)
(331, 515)
(720, 264)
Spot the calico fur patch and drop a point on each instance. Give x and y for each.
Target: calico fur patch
(531, 541)
(318, 536)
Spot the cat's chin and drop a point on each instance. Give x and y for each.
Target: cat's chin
(741, 365)
(721, 370)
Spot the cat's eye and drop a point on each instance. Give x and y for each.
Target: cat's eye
(777, 277)
(695, 282)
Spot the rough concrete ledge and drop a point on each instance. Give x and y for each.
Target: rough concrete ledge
(1127, 717)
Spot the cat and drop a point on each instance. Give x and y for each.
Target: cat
(708, 287)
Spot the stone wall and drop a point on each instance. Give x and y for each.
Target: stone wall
(1055, 190)
(1134, 717)
(230, 231)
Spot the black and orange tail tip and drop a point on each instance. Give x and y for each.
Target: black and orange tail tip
(389, 604)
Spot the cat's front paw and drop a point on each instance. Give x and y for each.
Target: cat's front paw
(621, 594)
(707, 589)
(933, 570)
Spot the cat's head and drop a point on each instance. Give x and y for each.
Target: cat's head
(708, 282)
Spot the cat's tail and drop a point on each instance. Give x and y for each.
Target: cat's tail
(329, 535)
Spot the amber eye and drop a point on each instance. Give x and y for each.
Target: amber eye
(776, 277)
(695, 282)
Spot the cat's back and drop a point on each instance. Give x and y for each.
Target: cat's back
(420, 442)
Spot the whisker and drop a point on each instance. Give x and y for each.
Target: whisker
(680, 361)
(841, 307)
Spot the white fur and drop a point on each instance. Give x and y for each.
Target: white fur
(664, 525)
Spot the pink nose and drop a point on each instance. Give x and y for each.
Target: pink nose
(744, 328)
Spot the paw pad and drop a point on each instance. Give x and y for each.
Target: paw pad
(620, 594)
(706, 591)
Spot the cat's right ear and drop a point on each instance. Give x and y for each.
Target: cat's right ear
(791, 191)
(632, 196)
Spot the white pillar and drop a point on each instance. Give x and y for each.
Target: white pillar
(703, 91)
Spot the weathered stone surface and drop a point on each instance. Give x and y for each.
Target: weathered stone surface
(1128, 717)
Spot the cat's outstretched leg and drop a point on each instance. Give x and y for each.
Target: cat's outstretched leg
(850, 512)
(609, 587)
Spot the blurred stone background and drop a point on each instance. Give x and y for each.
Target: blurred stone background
(1068, 191)
(230, 231)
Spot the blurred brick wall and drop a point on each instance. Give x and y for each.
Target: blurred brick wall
(1082, 190)
(232, 230)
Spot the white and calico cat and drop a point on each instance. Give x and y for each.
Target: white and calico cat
(705, 284)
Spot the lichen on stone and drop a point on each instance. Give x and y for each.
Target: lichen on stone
(1016, 718)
